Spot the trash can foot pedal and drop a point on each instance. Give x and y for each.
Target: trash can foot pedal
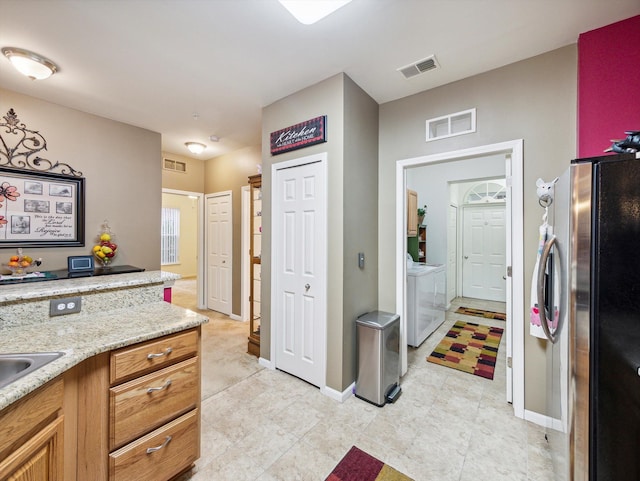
(394, 394)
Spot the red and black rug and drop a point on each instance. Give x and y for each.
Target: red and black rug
(360, 466)
(469, 347)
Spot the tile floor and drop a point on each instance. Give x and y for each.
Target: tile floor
(265, 425)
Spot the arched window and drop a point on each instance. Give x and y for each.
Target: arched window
(487, 192)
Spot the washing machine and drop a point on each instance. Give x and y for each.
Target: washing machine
(425, 301)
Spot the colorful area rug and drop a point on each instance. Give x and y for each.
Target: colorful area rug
(360, 466)
(469, 311)
(469, 347)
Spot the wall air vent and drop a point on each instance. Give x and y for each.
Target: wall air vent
(450, 125)
(174, 165)
(419, 67)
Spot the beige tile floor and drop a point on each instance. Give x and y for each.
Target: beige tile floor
(264, 425)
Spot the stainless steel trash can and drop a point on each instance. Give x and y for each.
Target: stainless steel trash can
(378, 336)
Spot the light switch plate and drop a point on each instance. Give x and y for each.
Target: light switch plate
(67, 305)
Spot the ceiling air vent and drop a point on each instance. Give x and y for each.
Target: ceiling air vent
(419, 67)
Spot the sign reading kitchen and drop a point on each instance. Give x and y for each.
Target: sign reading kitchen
(304, 134)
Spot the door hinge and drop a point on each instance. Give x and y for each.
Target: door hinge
(509, 271)
(509, 362)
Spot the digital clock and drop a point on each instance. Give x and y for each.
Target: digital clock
(80, 265)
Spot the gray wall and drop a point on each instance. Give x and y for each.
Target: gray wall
(121, 165)
(352, 192)
(534, 100)
(360, 217)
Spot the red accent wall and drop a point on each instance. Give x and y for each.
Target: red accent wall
(608, 85)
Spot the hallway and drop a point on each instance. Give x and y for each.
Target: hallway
(265, 425)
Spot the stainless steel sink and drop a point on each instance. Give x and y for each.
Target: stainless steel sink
(15, 366)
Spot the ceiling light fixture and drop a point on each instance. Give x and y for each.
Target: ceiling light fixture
(34, 66)
(195, 147)
(310, 11)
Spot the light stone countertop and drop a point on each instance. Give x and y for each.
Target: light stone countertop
(62, 287)
(81, 336)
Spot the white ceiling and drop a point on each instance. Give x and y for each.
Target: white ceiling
(155, 63)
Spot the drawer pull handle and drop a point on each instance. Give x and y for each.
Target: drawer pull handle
(160, 354)
(158, 448)
(154, 389)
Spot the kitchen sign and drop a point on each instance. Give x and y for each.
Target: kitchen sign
(304, 134)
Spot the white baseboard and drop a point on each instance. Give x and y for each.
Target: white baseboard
(235, 317)
(337, 395)
(266, 363)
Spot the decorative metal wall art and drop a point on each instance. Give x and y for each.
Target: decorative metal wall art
(19, 147)
(39, 207)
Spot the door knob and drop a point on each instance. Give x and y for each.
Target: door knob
(466, 257)
(307, 287)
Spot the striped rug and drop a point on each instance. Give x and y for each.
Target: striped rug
(469, 347)
(470, 311)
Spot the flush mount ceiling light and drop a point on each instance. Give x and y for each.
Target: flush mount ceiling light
(34, 66)
(310, 11)
(195, 147)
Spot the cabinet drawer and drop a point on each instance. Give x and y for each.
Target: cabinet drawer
(145, 403)
(160, 455)
(131, 361)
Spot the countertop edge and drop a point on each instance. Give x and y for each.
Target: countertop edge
(79, 285)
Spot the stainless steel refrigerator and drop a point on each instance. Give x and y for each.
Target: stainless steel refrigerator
(593, 355)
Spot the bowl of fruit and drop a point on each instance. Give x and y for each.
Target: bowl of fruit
(105, 248)
(20, 265)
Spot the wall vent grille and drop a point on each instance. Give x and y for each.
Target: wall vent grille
(174, 165)
(451, 125)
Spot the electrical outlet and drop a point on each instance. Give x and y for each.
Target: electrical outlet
(67, 305)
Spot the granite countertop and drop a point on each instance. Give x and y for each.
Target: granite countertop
(81, 336)
(61, 287)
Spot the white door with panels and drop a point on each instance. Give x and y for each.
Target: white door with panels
(484, 253)
(300, 268)
(219, 252)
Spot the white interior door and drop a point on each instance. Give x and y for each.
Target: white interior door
(219, 253)
(484, 253)
(452, 253)
(300, 270)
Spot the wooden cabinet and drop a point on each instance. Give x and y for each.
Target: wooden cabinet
(154, 417)
(141, 406)
(255, 255)
(31, 436)
(412, 213)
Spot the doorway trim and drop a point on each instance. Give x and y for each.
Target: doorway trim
(200, 245)
(244, 263)
(513, 151)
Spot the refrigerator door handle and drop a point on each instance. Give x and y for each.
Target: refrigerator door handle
(544, 257)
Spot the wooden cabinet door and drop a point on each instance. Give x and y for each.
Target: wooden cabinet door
(40, 458)
(412, 213)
